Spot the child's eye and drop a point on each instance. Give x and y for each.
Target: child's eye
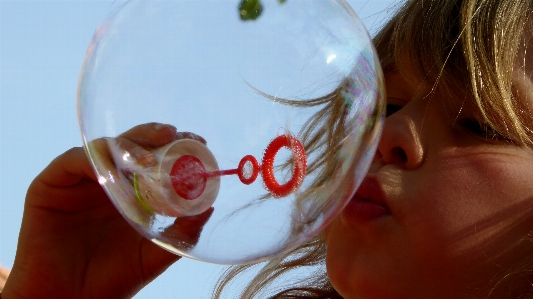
(481, 130)
(391, 109)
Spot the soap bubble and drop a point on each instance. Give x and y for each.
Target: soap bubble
(230, 131)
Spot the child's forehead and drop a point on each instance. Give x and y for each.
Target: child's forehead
(523, 92)
(403, 81)
(523, 73)
(524, 57)
(400, 86)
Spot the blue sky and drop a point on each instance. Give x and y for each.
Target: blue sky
(42, 46)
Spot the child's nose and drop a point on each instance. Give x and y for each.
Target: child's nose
(400, 142)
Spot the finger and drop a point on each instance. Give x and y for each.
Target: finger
(151, 134)
(138, 153)
(68, 169)
(189, 135)
(155, 259)
(67, 184)
(73, 165)
(157, 134)
(189, 228)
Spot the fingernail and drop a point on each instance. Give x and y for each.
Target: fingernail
(144, 158)
(158, 126)
(148, 160)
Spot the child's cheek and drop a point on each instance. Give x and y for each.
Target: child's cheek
(467, 203)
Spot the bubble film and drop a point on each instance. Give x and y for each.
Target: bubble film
(230, 131)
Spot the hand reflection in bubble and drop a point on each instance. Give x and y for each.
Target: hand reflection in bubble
(137, 149)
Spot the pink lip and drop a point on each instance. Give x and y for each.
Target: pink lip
(368, 203)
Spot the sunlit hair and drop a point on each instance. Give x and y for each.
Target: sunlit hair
(468, 48)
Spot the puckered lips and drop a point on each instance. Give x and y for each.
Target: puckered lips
(368, 203)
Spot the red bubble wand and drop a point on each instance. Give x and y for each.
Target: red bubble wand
(189, 176)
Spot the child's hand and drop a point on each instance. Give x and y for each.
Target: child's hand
(73, 243)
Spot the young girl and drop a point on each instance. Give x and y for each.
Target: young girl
(450, 183)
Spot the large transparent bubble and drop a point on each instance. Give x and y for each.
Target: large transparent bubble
(277, 106)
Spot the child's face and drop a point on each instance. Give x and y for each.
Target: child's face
(451, 204)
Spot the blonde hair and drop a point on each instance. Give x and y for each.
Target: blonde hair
(471, 48)
(467, 47)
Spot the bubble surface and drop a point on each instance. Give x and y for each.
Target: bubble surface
(271, 109)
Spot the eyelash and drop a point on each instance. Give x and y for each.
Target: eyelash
(391, 109)
(472, 125)
(481, 130)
